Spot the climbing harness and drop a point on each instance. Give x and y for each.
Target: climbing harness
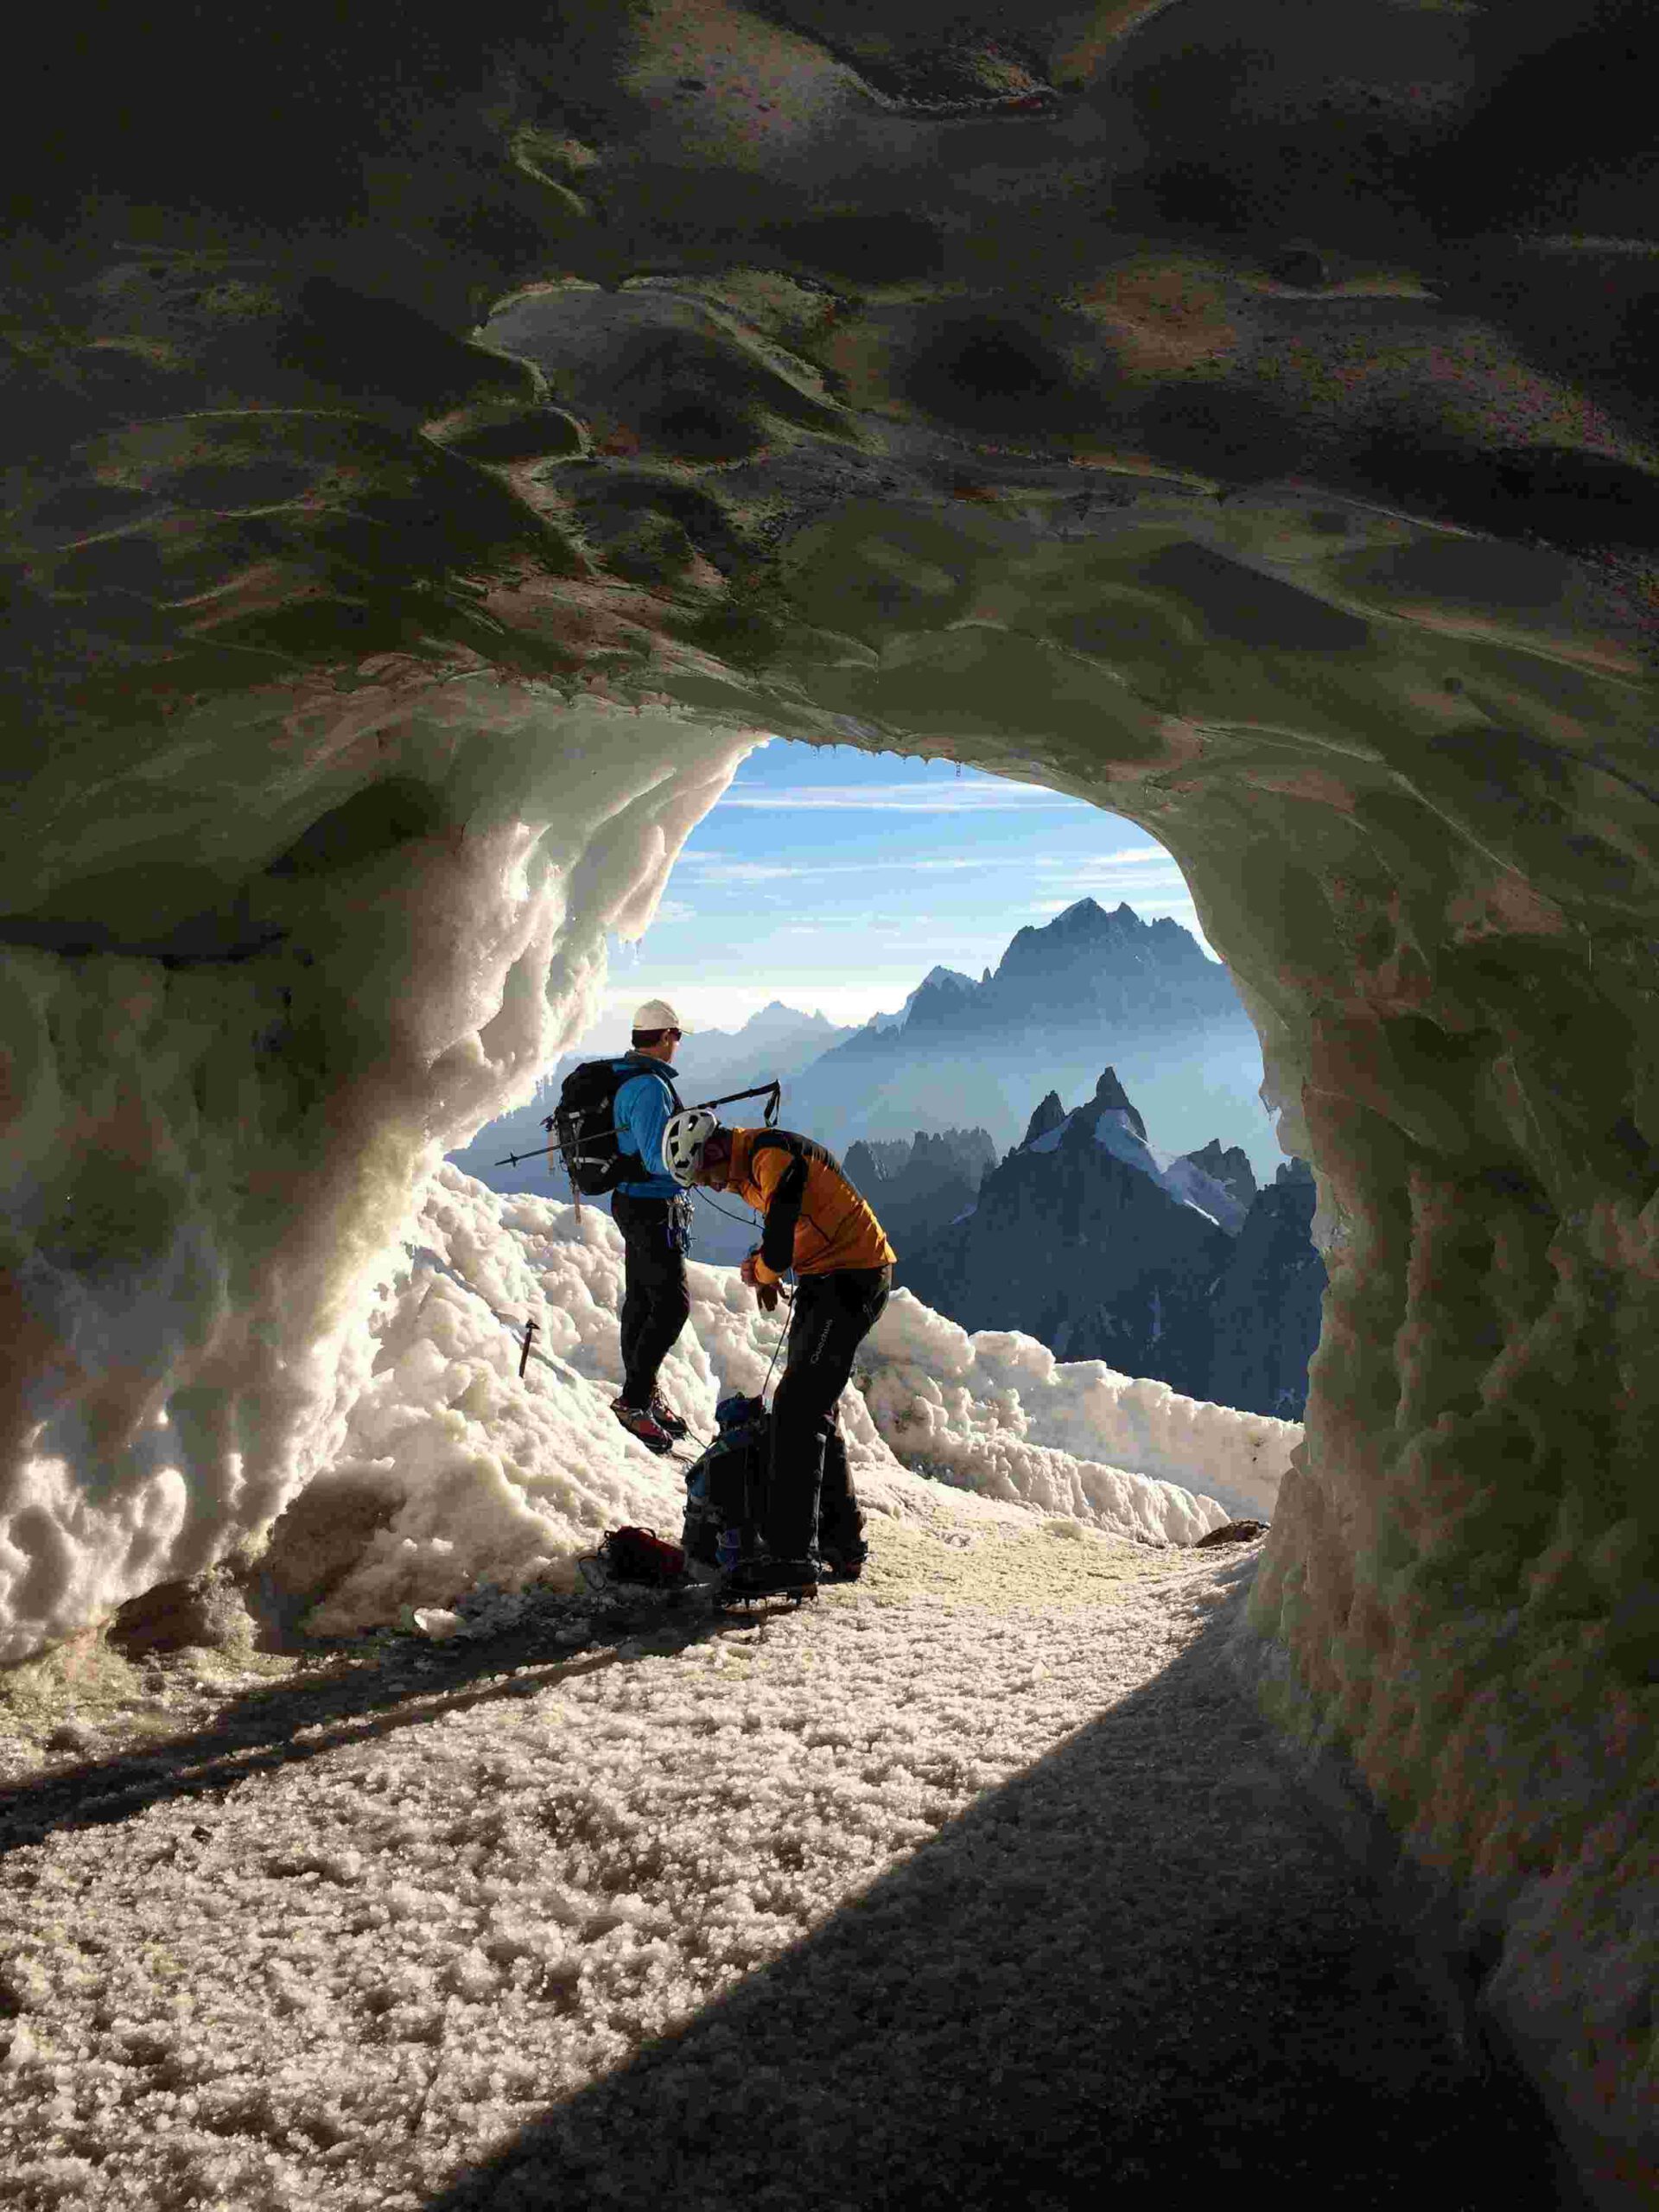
(680, 1217)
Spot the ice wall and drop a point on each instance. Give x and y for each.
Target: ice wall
(206, 1160)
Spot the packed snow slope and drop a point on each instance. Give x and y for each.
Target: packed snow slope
(450, 1472)
(436, 439)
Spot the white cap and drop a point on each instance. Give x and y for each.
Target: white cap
(657, 1013)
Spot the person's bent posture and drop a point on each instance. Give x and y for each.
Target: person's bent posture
(818, 1223)
(649, 1209)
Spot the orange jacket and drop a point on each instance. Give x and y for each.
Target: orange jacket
(816, 1222)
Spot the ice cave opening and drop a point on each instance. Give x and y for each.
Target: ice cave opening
(403, 548)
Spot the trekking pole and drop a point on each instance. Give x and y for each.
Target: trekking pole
(776, 1349)
(524, 1357)
(771, 1092)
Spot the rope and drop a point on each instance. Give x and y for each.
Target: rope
(721, 1211)
(441, 1267)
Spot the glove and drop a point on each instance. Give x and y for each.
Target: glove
(766, 1294)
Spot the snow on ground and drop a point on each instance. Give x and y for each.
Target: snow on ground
(988, 1835)
(475, 1477)
(332, 1983)
(868, 1882)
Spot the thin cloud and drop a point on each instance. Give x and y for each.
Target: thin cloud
(901, 798)
(710, 870)
(714, 868)
(1131, 857)
(1083, 882)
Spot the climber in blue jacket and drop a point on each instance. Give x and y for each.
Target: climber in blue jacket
(652, 1211)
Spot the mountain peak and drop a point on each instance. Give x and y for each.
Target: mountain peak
(1112, 1098)
(776, 1020)
(1076, 932)
(934, 1001)
(1046, 1116)
(1228, 1164)
(1087, 916)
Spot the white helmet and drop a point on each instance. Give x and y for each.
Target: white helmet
(682, 1142)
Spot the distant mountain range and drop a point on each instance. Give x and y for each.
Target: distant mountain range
(1170, 1261)
(1065, 995)
(779, 1041)
(1086, 967)
(1061, 999)
(1103, 1246)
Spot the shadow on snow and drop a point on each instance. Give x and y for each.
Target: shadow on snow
(1142, 1967)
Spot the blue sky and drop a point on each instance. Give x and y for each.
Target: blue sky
(835, 878)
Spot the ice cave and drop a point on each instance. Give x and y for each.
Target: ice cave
(437, 445)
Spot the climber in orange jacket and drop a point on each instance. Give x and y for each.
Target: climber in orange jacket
(816, 1222)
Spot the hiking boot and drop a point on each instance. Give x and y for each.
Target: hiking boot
(843, 1566)
(639, 1422)
(665, 1417)
(766, 1577)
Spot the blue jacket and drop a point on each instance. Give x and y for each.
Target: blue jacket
(644, 1106)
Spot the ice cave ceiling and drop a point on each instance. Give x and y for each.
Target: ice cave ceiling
(431, 442)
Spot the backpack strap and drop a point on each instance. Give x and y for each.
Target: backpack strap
(626, 1068)
(655, 1068)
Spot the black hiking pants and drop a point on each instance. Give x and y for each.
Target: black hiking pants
(655, 1300)
(810, 1489)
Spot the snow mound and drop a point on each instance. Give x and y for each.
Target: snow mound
(1000, 1410)
(461, 1475)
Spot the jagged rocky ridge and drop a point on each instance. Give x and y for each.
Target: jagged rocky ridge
(1172, 1265)
(1086, 966)
(1059, 988)
(918, 1186)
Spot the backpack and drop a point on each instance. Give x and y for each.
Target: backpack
(633, 1555)
(583, 1127)
(725, 1489)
